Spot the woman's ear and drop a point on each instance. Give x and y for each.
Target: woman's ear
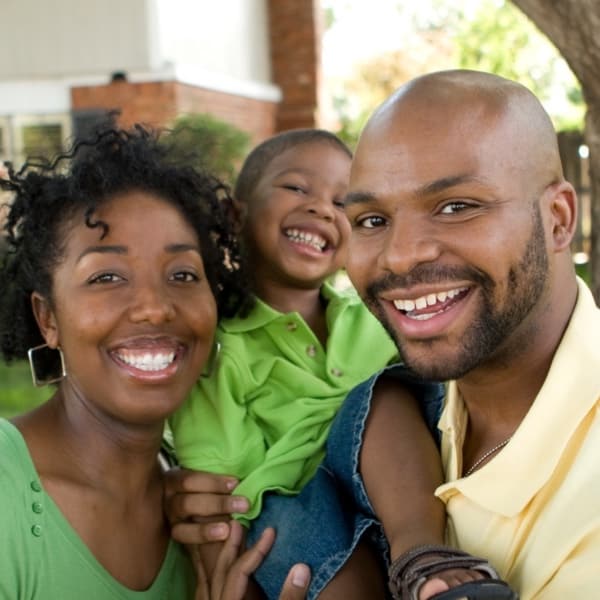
(44, 315)
(563, 211)
(240, 211)
(236, 212)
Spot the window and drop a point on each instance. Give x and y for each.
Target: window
(42, 140)
(39, 136)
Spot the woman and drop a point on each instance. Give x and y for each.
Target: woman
(119, 264)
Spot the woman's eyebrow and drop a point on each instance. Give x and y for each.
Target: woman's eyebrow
(103, 250)
(176, 248)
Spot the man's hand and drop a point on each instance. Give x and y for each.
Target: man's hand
(232, 574)
(198, 505)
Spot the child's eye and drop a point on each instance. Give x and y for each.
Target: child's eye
(184, 277)
(105, 278)
(371, 222)
(294, 188)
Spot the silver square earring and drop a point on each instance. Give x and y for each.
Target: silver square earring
(47, 365)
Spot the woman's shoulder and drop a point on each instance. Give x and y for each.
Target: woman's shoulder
(15, 460)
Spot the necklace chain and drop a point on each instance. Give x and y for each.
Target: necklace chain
(489, 453)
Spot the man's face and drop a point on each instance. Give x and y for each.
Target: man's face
(448, 244)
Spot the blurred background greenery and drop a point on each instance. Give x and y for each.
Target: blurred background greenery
(17, 392)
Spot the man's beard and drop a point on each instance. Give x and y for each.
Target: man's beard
(482, 340)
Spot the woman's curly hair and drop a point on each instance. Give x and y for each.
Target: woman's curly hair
(46, 197)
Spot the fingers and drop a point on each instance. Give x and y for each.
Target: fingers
(232, 573)
(200, 533)
(296, 583)
(187, 480)
(200, 497)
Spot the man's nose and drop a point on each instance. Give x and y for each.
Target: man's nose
(407, 245)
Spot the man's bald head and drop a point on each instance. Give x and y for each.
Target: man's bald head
(459, 102)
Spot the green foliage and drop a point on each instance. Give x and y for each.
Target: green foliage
(487, 35)
(219, 146)
(500, 39)
(17, 393)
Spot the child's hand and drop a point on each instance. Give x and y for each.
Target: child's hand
(198, 505)
(232, 574)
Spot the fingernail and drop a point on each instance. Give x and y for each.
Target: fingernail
(240, 504)
(231, 483)
(218, 531)
(300, 576)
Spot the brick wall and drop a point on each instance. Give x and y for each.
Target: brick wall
(158, 103)
(295, 37)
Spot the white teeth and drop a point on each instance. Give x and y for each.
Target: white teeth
(425, 301)
(148, 361)
(311, 239)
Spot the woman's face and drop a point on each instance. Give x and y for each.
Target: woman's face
(133, 312)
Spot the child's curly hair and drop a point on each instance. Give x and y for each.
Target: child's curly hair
(46, 198)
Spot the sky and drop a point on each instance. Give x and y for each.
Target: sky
(363, 29)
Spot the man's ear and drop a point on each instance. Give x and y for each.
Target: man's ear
(44, 315)
(563, 211)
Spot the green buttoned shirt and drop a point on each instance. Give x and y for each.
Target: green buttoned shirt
(264, 414)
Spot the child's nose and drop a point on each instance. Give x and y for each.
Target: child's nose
(323, 208)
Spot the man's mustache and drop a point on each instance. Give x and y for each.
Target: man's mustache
(427, 274)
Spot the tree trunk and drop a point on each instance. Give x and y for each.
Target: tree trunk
(572, 26)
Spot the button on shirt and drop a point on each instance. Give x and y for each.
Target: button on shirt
(534, 509)
(265, 414)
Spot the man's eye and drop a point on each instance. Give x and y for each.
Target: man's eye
(453, 207)
(371, 222)
(105, 278)
(184, 277)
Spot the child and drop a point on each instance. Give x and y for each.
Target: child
(284, 370)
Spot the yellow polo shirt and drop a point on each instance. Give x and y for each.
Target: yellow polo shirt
(534, 509)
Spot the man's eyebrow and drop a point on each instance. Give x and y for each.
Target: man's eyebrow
(358, 198)
(432, 187)
(444, 183)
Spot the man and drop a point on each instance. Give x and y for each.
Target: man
(461, 223)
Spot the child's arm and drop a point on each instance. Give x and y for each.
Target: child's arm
(401, 467)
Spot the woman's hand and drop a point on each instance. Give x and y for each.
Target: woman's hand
(232, 574)
(198, 505)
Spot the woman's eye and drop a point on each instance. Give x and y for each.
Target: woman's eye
(184, 277)
(371, 222)
(105, 278)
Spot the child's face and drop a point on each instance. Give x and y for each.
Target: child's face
(296, 227)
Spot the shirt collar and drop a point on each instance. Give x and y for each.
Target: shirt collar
(262, 314)
(531, 456)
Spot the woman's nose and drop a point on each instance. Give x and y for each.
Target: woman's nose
(152, 304)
